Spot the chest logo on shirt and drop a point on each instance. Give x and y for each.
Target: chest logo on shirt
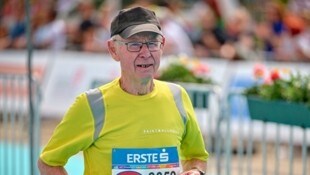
(158, 130)
(151, 161)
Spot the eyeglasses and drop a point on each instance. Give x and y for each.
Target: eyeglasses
(137, 46)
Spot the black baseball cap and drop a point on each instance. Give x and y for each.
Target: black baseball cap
(135, 20)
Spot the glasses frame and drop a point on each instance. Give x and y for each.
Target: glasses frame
(142, 43)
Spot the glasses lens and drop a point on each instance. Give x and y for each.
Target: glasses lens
(134, 46)
(153, 46)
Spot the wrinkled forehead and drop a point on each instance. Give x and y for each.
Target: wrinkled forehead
(145, 36)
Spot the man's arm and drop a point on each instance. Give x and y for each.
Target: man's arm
(191, 167)
(50, 170)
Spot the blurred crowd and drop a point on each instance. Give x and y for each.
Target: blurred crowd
(278, 30)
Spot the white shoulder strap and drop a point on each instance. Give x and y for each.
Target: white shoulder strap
(96, 103)
(177, 95)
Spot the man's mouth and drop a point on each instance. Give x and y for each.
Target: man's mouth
(144, 65)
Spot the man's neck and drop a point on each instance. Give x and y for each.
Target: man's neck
(137, 88)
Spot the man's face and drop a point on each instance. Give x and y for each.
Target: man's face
(139, 55)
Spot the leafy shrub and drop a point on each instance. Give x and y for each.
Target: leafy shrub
(295, 88)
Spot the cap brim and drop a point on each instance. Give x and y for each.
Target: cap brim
(131, 30)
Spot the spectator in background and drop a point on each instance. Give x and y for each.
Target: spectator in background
(88, 26)
(303, 40)
(211, 37)
(96, 33)
(49, 32)
(271, 29)
(4, 39)
(263, 34)
(17, 31)
(288, 48)
(300, 26)
(239, 29)
(177, 12)
(5, 19)
(89, 38)
(83, 15)
(178, 42)
(232, 42)
(274, 15)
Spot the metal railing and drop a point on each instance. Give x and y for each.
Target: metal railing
(259, 147)
(15, 139)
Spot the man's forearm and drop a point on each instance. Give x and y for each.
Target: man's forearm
(50, 170)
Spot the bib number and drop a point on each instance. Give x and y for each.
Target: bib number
(164, 173)
(145, 161)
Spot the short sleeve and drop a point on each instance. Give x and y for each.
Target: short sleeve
(192, 145)
(73, 134)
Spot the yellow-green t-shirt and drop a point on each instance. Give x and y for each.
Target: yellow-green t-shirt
(128, 121)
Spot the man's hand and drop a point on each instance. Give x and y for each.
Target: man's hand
(191, 172)
(50, 170)
(192, 167)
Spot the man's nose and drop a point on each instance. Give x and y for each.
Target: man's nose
(145, 49)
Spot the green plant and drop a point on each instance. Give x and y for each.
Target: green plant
(177, 72)
(295, 88)
(184, 69)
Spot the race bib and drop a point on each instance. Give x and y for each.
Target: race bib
(145, 161)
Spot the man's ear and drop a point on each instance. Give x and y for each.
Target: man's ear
(164, 41)
(112, 50)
